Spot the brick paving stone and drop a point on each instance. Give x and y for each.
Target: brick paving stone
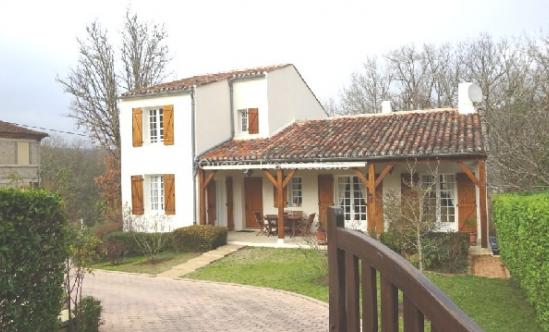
(134, 302)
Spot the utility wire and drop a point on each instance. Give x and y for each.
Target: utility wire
(48, 129)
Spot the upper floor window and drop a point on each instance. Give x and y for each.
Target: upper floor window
(156, 125)
(244, 120)
(440, 197)
(295, 194)
(249, 120)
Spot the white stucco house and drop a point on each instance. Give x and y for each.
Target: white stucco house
(224, 148)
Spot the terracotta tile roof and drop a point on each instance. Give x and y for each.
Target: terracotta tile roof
(189, 82)
(417, 134)
(10, 130)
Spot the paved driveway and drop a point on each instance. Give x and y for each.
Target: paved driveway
(141, 303)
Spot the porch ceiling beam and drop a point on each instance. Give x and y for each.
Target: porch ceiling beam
(386, 170)
(208, 179)
(270, 177)
(468, 172)
(288, 178)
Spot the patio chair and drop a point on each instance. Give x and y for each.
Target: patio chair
(263, 225)
(307, 224)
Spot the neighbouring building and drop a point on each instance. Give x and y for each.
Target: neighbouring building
(218, 148)
(19, 156)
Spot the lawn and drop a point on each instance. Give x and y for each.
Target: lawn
(494, 304)
(141, 264)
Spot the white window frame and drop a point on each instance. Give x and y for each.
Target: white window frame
(156, 193)
(155, 125)
(295, 192)
(445, 183)
(357, 205)
(243, 117)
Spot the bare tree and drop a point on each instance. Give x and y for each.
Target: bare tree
(144, 53)
(93, 87)
(367, 89)
(412, 215)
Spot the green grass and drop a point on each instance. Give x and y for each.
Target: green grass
(496, 305)
(141, 264)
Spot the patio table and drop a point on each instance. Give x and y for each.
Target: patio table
(290, 219)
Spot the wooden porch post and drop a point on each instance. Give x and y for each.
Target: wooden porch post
(202, 196)
(203, 184)
(280, 203)
(372, 201)
(483, 203)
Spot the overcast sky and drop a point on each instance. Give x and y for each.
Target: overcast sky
(326, 40)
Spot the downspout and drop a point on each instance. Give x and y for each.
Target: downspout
(193, 151)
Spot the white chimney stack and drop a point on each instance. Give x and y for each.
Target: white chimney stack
(468, 93)
(386, 107)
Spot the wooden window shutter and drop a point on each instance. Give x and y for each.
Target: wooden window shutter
(169, 194)
(168, 124)
(467, 204)
(137, 195)
(285, 197)
(253, 121)
(409, 201)
(137, 127)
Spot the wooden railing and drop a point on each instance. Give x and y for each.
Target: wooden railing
(355, 260)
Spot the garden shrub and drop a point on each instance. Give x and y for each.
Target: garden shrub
(88, 316)
(199, 238)
(522, 223)
(104, 229)
(32, 254)
(126, 241)
(442, 251)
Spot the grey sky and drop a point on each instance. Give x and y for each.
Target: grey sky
(326, 40)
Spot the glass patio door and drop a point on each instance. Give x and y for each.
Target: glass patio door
(350, 197)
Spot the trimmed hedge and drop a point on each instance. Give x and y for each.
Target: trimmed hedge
(32, 253)
(126, 240)
(199, 238)
(522, 224)
(442, 251)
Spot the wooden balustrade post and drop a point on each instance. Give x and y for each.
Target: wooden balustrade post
(336, 274)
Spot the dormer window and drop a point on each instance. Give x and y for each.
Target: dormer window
(156, 125)
(249, 120)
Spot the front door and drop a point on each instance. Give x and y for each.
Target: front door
(325, 196)
(253, 194)
(212, 205)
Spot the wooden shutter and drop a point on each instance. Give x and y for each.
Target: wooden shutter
(285, 196)
(137, 195)
(168, 124)
(253, 121)
(169, 194)
(467, 204)
(137, 127)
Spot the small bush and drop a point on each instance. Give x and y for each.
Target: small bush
(522, 222)
(128, 244)
(442, 251)
(104, 229)
(33, 248)
(88, 315)
(446, 251)
(114, 250)
(199, 238)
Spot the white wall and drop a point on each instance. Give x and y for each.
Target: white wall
(212, 116)
(158, 158)
(290, 99)
(251, 93)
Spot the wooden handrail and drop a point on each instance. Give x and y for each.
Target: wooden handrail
(355, 260)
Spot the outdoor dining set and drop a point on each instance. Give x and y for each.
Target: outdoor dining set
(295, 223)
